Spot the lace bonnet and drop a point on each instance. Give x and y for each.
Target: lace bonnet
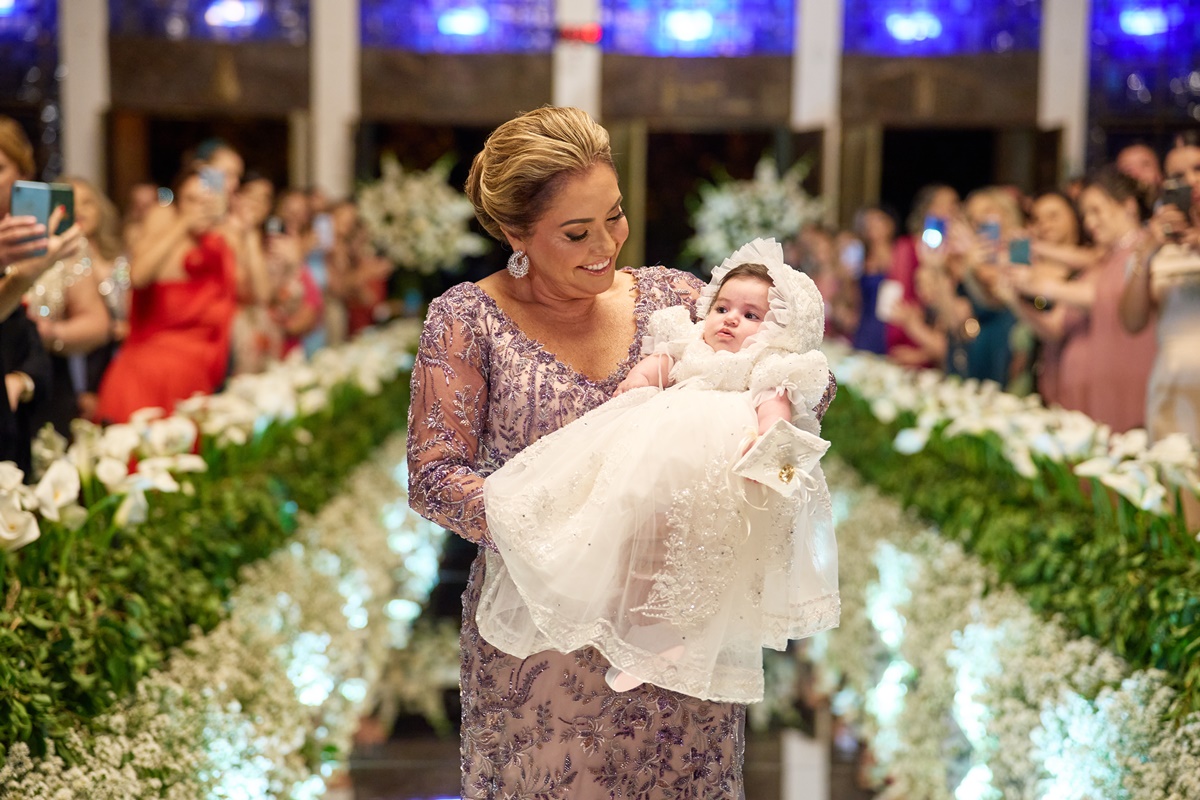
(795, 320)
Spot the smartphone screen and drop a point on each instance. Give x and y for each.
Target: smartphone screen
(1178, 194)
(32, 199)
(935, 232)
(990, 231)
(1018, 252)
(63, 194)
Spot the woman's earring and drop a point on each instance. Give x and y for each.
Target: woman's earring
(518, 264)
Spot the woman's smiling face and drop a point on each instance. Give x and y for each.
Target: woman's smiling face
(573, 247)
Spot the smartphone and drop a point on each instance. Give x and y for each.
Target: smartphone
(1179, 194)
(213, 179)
(322, 225)
(38, 200)
(990, 231)
(274, 226)
(890, 294)
(934, 232)
(1018, 252)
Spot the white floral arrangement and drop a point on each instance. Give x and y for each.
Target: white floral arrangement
(962, 689)
(236, 712)
(966, 692)
(1148, 475)
(730, 212)
(417, 219)
(161, 445)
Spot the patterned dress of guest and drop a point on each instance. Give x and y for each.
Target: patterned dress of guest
(548, 726)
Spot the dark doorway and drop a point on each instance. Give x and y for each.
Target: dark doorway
(257, 140)
(960, 157)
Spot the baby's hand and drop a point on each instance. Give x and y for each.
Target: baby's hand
(634, 380)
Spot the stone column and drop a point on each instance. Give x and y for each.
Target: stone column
(576, 70)
(335, 103)
(85, 93)
(1063, 79)
(817, 87)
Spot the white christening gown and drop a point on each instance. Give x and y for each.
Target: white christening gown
(626, 530)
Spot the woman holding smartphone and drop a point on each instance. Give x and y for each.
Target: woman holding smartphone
(185, 290)
(1165, 280)
(23, 361)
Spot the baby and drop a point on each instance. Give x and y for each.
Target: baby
(629, 530)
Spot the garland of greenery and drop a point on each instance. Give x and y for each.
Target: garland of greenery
(965, 692)
(1106, 568)
(266, 703)
(88, 611)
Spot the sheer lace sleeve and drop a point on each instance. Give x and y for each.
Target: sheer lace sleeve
(445, 420)
(827, 398)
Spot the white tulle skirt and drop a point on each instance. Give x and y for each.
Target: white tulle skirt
(627, 531)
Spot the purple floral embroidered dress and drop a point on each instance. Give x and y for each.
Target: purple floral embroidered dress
(546, 727)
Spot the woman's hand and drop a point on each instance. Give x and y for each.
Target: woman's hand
(1168, 224)
(20, 236)
(202, 215)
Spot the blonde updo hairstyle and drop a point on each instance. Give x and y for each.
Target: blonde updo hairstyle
(525, 161)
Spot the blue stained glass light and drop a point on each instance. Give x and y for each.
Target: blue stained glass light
(941, 27)
(217, 20)
(698, 27)
(1146, 56)
(460, 26)
(26, 20)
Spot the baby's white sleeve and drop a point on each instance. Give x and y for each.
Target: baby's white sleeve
(668, 331)
(803, 376)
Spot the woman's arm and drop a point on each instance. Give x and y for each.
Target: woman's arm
(162, 232)
(87, 323)
(445, 420)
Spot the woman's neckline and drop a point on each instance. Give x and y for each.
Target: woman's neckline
(552, 357)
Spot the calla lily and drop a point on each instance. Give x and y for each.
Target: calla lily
(1095, 467)
(18, 527)
(11, 476)
(166, 437)
(119, 441)
(59, 487)
(133, 509)
(911, 440)
(111, 472)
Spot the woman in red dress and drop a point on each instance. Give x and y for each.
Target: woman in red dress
(184, 278)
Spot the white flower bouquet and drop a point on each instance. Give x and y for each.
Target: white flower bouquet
(731, 212)
(417, 219)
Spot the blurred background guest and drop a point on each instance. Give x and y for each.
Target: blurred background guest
(1163, 292)
(875, 226)
(24, 362)
(255, 338)
(934, 208)
(184, 298)
(66, 305)
(101, 224)
(1104, 369)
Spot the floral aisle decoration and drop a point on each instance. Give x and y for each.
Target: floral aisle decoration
(728, 212)
(417, 219)
(1084, 523)
(135, 535)
(969, 693)
(265, 704)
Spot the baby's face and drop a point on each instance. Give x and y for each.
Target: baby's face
(736, 314)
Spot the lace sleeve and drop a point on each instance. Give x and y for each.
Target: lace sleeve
(827, 398)
(445, 418)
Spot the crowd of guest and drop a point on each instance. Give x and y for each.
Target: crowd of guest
(1088, 296)
(219, 274)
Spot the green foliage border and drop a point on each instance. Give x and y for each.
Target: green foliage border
(1103, 568)
(84, 616)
